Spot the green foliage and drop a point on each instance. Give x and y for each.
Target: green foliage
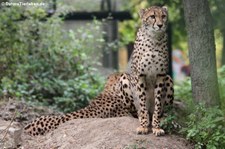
(40, 61)
(217, 7)
(221, 81)
(183, 90)
(127, 29)
(201, 124)
(168, 123)
(205, 126)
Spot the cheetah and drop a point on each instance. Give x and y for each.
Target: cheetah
(107, 104)
(151, 87)
(140, 92)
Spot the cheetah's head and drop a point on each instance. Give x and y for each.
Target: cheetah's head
(154, 19)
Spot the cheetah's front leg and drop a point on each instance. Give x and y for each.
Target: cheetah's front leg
(159, 96)
(143, 114)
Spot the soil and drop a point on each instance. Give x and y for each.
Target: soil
(110, 133)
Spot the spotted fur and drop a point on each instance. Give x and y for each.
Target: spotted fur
(149, 65)
(142, 91)
(106, 104)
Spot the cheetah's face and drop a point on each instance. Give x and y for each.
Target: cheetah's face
(154, 18)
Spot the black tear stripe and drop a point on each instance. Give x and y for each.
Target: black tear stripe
(155, 21)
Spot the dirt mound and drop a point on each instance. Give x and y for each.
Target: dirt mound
(14, 116)
(111, 133)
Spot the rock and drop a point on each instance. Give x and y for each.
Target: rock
(111, 133)
(114, 133)
(10, 134)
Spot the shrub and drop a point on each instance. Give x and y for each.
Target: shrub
(205, 126)
(201, 124)
(42, 62)
(221, 80)
(182, 91)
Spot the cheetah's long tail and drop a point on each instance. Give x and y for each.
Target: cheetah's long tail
(44, 124)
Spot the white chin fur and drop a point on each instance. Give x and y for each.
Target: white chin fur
(156, 30)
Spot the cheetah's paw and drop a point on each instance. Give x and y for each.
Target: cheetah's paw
(142, 130)
(158, 131)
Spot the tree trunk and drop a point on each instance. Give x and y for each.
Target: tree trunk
(201, 45)
(223, 50)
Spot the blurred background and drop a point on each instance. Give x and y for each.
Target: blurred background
(54, 50)
(58, 54)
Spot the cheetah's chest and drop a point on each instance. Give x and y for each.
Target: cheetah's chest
(153, 63)
(153, 60)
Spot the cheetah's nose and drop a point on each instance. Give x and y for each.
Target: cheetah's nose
(159, 25)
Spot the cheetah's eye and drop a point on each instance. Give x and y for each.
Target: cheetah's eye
(163, 16)
(152, 16)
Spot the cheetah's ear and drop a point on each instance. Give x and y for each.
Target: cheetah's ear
(165, 8)
(141, 12)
